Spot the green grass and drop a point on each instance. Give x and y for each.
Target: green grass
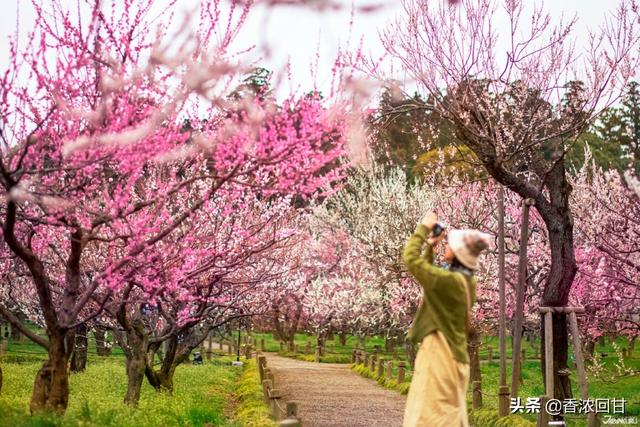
(272, 344)
(251, 410)
(201, 397)
(402, 388)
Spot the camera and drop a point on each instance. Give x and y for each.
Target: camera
(438, 228)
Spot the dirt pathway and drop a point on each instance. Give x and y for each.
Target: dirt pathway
(331, 395)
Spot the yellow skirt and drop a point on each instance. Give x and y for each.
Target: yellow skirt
(438, 393)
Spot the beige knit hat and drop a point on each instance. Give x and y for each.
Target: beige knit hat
(467, 246)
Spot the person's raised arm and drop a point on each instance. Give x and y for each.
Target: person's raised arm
(421, 267)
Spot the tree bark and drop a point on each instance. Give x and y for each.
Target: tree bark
(79, 356)
(343, 338)
(589, 350)
(162, 379)
(137, 343)
(15, 333)
(51, 387)
(102, 347)
(410, 350)
(135, 377)
(134, 342)
(473, 347)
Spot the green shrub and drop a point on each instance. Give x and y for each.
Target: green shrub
(328, 358)
(251, 410)
(402, 388)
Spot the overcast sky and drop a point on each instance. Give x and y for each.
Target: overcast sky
(297, 33)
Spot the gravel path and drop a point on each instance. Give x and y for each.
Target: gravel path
(331, 395)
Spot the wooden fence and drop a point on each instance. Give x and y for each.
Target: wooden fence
(286, 413)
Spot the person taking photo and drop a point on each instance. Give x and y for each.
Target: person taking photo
(437, 396)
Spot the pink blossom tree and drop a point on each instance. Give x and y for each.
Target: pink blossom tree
(607, 219)
(97, 156)
(520, 111)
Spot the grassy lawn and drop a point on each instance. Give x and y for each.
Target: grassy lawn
(204, 394)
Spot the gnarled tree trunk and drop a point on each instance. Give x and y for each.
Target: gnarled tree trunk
(51, 387)
(162, 379)
(134, 341)
(137, 343)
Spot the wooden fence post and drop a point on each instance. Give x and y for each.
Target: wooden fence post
(389, 369)
(317, 356)
(490, 349)
(582, 377)
(401, 365)
(548, 353)
(381, 367)
(291, 416)
(267, 385)
(261, 344)
(524, 355)
(307, 347)
(543, 416)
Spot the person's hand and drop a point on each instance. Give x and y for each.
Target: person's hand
(433, 241)
(429, 220)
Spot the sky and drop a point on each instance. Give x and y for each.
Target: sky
(298, 34)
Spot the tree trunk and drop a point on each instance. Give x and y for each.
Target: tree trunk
(343, 338)
(15, 333)
(410, 349)
(589, 350)
(162, 380)
(562, 384)
(473, 347)
(51, 387)
(102, 347)
(79, 356)
(559, 223)
(135, 377)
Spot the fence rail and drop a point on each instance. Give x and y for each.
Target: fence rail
(287, 413)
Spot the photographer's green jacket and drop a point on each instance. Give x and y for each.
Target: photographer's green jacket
(444, 300)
